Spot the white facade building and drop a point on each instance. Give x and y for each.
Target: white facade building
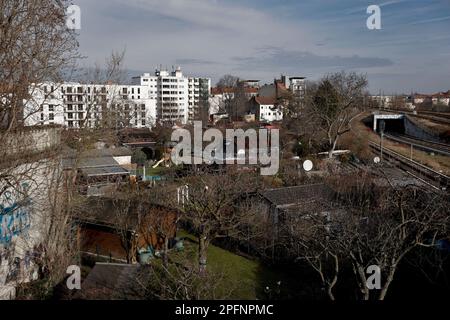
(178, 97)
(149, 99)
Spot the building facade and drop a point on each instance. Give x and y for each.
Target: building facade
(162, 97)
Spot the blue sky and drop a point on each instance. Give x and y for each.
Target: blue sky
(260, 39)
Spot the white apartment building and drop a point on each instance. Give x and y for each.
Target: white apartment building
(178, 97)
(163, 97)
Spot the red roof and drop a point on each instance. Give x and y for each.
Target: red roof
(266, 100)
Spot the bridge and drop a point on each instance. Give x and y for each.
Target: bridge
(394, 122)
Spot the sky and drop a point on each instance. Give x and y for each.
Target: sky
(262, 39)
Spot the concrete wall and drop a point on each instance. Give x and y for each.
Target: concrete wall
(413, 129)
(25, 191)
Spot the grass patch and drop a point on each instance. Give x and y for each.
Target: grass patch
(245, 278)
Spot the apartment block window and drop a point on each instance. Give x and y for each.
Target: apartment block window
(80, 107)
(143, 122)
(51, 116)
(70, 115)
(42, 117)
(143, 114)
(139, 90)
(70, 124)
(51, 108)
(69, 108)
(142, 106)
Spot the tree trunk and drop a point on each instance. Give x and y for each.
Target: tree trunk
(333, 147)
(389, 279)
(202, 253)
(166, 252)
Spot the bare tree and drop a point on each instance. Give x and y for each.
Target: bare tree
(228, 81)
(331, 107)
(208, 206)
(371, 226)
(36, 47)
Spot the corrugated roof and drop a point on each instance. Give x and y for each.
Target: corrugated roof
(297, 194)
(104, 171)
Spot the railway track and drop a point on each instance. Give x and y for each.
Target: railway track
(432, 178)
(425, 145)
(436, 114)
(438, 117)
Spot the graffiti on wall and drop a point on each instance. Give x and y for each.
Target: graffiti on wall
(15, 209)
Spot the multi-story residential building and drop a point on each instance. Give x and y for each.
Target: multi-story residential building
(297, 86)
(164, 97)
(179, 98)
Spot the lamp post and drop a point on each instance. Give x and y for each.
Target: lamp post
(382, 127)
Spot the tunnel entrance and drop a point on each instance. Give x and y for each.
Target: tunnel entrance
(392, 126)
(149, 153)
(393, 123)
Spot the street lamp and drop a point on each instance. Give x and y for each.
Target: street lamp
(382, 127)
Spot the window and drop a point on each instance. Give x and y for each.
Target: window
(42, 117)
(143, 122)
(80, 107)
(51, 107)
(70, 115)
(51, 116)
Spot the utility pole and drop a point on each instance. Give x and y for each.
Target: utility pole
(382, 127)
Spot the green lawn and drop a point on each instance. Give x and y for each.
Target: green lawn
(246, 278)
(149, 171)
